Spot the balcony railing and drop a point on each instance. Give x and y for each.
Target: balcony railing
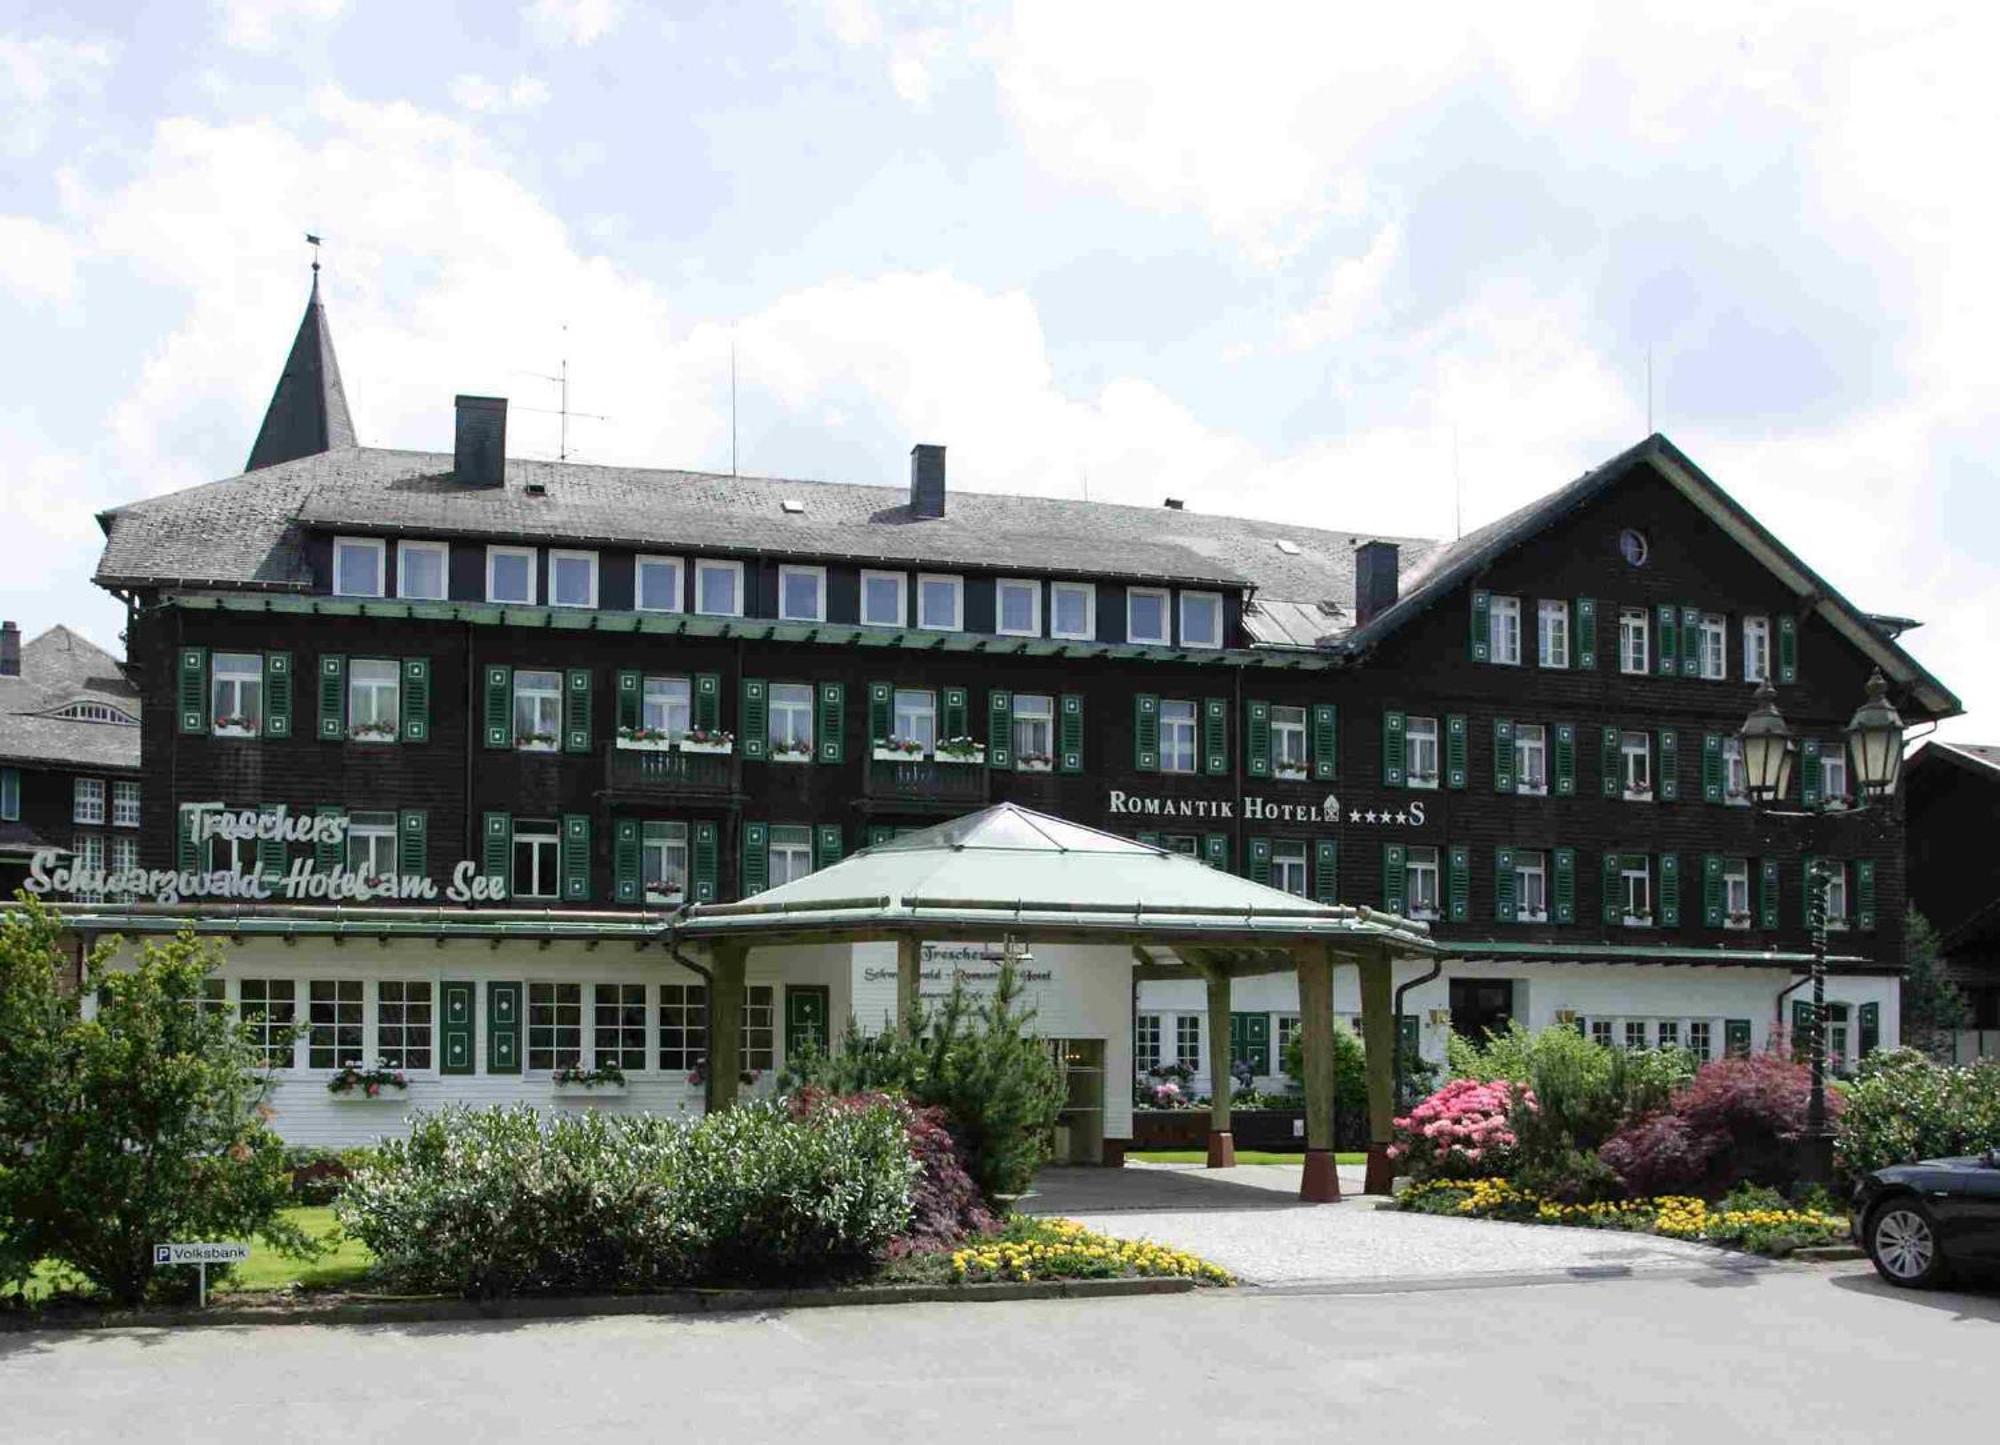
(924, 784)
(642, 773)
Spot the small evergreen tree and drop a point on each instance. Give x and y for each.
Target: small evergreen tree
(1933, 1009)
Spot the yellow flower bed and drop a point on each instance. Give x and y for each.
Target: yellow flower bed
(1675, 1216)
(1064, 1249)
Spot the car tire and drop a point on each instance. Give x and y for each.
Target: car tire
(1902, 1242)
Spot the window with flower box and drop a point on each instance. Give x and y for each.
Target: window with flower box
(618, 1033)
(1531, 759)
(1421, 749)
(1736, 893)
(1288, 743)
(236, 694)
(683, 1026)
(1636, 766)
(1635, 881)
(1420, 882)
(403, 1023)
(789, 723)
(537, 710)
(333, 1035)
(663, 861)
(665, 710)
(374, 699)
(915, 732)
(1531, 886)
(1034, 732)
(555, 1026)
(270, 1007)
(760, 1026)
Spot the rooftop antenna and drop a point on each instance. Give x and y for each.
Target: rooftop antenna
(561, 379)
(732, 401)
(1457, 490)
(1649, 390)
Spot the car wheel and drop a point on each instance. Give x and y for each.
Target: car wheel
(1903, 1243)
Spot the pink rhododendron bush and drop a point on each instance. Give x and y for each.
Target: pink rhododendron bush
(1463, 1131)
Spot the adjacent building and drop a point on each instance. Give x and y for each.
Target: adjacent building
(1953, 801)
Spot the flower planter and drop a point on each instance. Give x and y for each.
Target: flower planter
(687, 745)
(897, 755)
(1289, 775)
(667, 900)
(1033, 765)
(534, 745)
(976, 758)
(362, 1096)
(234, 730)
(646, 745)
(579, 1091)
(804, 757)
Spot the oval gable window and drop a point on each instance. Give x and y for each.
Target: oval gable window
(1632, 546)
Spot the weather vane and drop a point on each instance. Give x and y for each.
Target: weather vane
(313, 241)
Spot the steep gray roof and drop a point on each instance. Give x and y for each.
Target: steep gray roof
(59, 668)
(247, 530)
(308, 410)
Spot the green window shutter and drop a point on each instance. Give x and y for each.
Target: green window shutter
(753, 720)
(1667, 625)
(1457, 767)
(328, 852)
(1260, 860)
(503, 1028)
(497, 851)
(416, 700)
(575, 858)
(1503, 755)
(1788, 649)
(1564, 888)
(631, 699)
(999, 728)
(1670, 890)
(277, 694)
(827, 845)
(707, 707)
(1712, 910)
(1668, 783)
(1736, 1038)
(1871, 1029)
(1215, 850)
(1325, 742)
(1146, 733)
(1215, 735)
(1326, 870)
(956, 721)
(271, 858)
(1395, 739)
(1864, 893)
(1250, 1041)
(833, 722)
(1690, 642)
(455, 1027)
(413, 843)
(1802, 1022)
(881, 712)
(1614, 784)
(332, 699)
(191, 690)
(1565, 760)
(626, 877)
(499, 706)
(1810, 789)
(1458, 882)
(1151, 840)
(1583, 648)
(1395, 881)
(1482, 626)
(706, 856)
(1256, 739)
(1069, 736)
(1711, 768)
(576, 711)
(879, 833)
(756, 865)
(187, 853)
(1505, 907)
(1614, 908)
(1767, 894)
(1406, 1035)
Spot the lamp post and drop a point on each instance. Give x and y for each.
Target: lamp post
(1874, 740)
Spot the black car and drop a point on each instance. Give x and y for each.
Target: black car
(1919, 1222)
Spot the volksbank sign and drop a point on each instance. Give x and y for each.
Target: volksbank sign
(1120, 804)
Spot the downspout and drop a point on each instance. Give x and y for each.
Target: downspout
(472, 726)
(707, 1004)
(1437, 967)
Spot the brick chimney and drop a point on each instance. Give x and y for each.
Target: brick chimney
(10, 650)
(479, 451)
(1375, 566)
(926, 480)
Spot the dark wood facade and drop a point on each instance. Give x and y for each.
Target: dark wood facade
(1953, 798)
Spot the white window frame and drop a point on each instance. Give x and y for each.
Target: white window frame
(125, 801)
(1192, 722)
(1032, 710)
(396, 1037)
(560, 555)
(817, 575)
(1839, 897)
(373, 836)
(1635, 1035)
(337, 996)
(360, 688)
(1531, 740)
(1552, 634)
(1420, 863)
(1188, 639)
(792, 841)
(559, 997)
(1145, 1043)
(267, 1023)
(683, 1017)
(1034, 590)
(1635, 780)
(667, 704)
(1756, 648)
(1833, 760)
(1290, 753)
(1735, 878)
(639, 566)
(1187, 1040)
(540, 694)
(1735, 778)
(1714, 650)
(1166, 601)
(1288, 867)
(1705, 1031)
(797, 703)
(1530, 863)
(663, 855)
(924, 705)
(957, 585)
(1635, 637)
(1503, 625)
(608, 1017)
(88, 801)
(1428, 734)
(705, 565)
(238, 680)
(1088, 590)
(89, 848)
(494, 553)
(367, 544)
(546, 841)
(902, 581)
(1630, 896)
(404, 551)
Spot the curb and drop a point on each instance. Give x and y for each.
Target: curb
(1828, 1253)
(679, 1302)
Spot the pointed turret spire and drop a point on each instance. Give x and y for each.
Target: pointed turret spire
(308, 411)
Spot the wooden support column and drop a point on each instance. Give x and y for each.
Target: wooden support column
(1378, 1034)
(1221, 1138)
(1321, 1183)
(725, 1025)
(909, 978)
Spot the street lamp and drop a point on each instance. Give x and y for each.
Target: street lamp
(1875, 748)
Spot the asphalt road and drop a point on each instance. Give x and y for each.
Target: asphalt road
(1820, 1354)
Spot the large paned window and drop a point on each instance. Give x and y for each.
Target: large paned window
(1503, 629)
(124, 805)
(510, 575)
(658, 584)
(333, 1033)
(916, 718)
(371, 844)
(760, 1025)
(663, 861)
(1836, 895)
(1034, 732)
(1531, 759)
(1421, 751)
(883, 599)
(683, 1026)
(1288, 742)
(1177, 736)
(573, 579)
(124, 858)
(1636, 884)
(1288, 868)
(555, 1025)
(236, 694)
(536, 845)
(1714, 646)
(1073, 610)
(1756, 648)
(1736, 893)
(790, 722)
(940, 603)
(357, 566)
(1420, 882)
(1833, 776)
(1635, 751)
(791, 853)
(1667, 1034)
(718, 588)
(88, 803)
(403, 1023)
(90, 855)
(1201, 619)
(665, 705)
(270, 1007)
(1700, 1040)
(537, 710)
(1145, 1042)
(1634, 654)
(618, 1025)
(1552, 620)
(802, 594)
(1146, 614)
(1018, 607)
(423, 571)
(1531, 886)
(1635, 1034)
(374, 693)
(1735, 781)
(1187, 1040)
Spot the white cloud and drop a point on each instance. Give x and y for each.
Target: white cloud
(41, 79)
(477, 93)
(573, 22)
(36, 260)
(264, 25)
(1351, 293)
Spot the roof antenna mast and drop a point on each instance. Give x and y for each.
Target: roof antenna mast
(732, 401)
(1649, 390)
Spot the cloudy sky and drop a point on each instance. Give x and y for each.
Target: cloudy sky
(1373, 267)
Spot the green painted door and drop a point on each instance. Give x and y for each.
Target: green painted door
(503, 1028)
(806, 1009)
(1250, 1041)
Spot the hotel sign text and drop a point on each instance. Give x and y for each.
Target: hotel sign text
(1121, 804)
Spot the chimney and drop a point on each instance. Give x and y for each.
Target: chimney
(926, 480)
(479, 453)
(1175, 504)
(10, 650)
(1374, 580)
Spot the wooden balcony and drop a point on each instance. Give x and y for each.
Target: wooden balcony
(922, 785)
(638, 773)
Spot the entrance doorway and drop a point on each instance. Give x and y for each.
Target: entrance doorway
(806, 1008)
(1080, 1126)
(1480, 1006)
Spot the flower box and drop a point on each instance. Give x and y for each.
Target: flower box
(1286, 774)
(1638, 920)
(362, 1096)
(1643, 791)
(699, 741)
(372, 732)
(571, 1089)
(1033, 762)
(537, 742)
(791, 753)
(898, 750)
(667, 897)
(645, 740)
(575, 1079)
(235, 727)
(353, 1084)
(961, 750)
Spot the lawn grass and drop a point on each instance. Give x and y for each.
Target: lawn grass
(346, 1264)
(1243, 1156)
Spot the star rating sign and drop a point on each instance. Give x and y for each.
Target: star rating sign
(1403, 818)
(1371, 815)
(1353, 815)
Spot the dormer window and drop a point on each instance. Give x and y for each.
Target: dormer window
(658, 584)
(573, 579)
(718, 588)
(1201, 619)
(1017, 607)
(940, 603)
(423, 571)
(882, 599)
(357, 566)
(510, 575)
(1073, 610)
(1146, 615)
(802, 594)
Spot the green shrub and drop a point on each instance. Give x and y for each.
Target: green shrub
(1585, 1092)
(318, 1175)
(141, 1125)
(1905, 1107)
(1350, 1070)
